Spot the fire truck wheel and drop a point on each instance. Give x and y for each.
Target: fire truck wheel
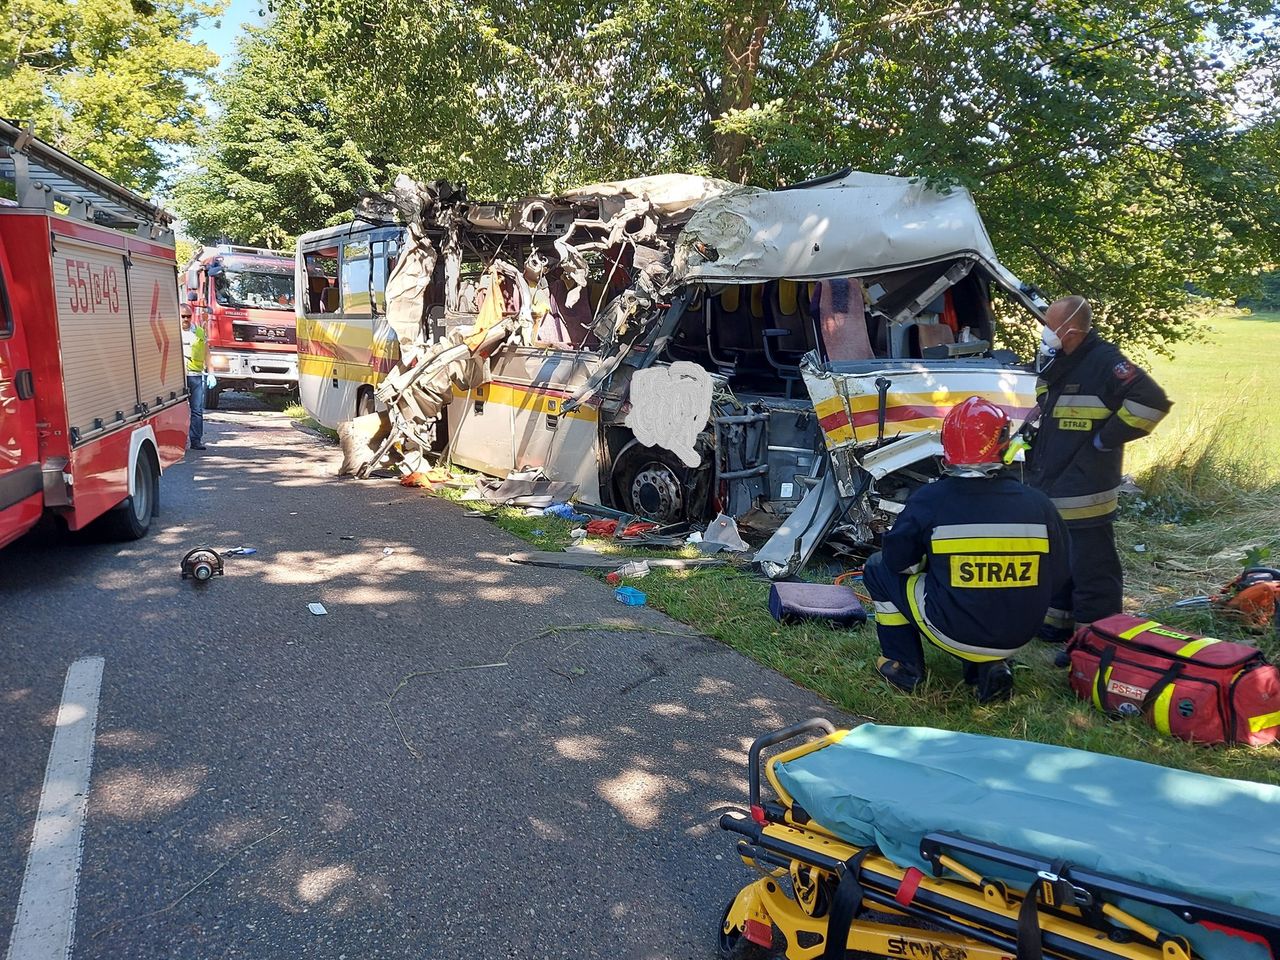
(132, 519)
(211, 399)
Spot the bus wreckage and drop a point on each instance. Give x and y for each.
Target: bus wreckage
(674, 346)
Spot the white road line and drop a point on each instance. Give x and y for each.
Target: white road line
(45, 923)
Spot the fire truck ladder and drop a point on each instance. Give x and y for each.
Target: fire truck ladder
(44, 178)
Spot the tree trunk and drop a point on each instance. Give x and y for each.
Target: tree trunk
(744, 36)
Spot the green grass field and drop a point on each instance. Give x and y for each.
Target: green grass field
(1230, 378)
(1212, 489)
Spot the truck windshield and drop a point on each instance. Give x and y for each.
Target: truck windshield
(256, 290)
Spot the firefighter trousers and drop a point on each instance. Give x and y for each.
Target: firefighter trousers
(1096, 587)
(897, 630)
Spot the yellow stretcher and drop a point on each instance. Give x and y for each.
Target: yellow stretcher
(819, 897)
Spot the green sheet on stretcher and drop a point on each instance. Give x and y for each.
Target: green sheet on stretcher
(1179, 832)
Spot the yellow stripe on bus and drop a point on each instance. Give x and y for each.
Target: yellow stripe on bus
(825, 408)
(871, 401)
(510, 395)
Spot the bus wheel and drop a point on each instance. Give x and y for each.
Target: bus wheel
(364, 402)
(652, 483)
(132, 519)
(212, 397)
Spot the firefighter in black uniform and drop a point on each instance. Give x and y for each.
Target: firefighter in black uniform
(971, 561)
(1092, 401)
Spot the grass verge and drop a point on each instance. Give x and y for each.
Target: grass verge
(298, 414)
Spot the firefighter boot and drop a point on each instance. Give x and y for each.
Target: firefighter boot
(898, 674)
(993, 681)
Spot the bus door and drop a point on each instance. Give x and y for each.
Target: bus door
(515, 420)
(345, 346)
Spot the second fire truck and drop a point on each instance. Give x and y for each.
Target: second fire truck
(244, 296)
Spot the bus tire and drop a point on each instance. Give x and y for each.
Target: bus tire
(132, 519)
(364, 402)
(212, 397)
(653, 483)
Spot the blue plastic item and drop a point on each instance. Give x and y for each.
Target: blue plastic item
(630, 596)
(565, 512)
(1170, 830)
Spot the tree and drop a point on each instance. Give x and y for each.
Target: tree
(278, 160)
(108, 81)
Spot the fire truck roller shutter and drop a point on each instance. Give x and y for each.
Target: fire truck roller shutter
(156, 334)
(94, 334)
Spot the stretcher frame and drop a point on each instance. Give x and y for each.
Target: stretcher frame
(813, 883)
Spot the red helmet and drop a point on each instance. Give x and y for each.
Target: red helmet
(975, 433)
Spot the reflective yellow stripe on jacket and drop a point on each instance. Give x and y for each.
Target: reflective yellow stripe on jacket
(1090, 505)
(990, 538)
(1139, 415)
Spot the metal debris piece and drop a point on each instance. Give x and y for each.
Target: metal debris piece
(582, 559)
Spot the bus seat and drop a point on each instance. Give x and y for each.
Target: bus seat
(789, 311)
(733, 330)
(842, 322)
(330, 300)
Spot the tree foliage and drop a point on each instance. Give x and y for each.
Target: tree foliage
(1123, 149)
(278, 160)
(108, 81)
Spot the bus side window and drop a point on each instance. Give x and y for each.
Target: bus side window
(322, 282)
(356, 278)
(383, 259)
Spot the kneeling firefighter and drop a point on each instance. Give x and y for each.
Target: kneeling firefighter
(971, 562)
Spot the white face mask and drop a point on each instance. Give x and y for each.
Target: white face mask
(1050, 342)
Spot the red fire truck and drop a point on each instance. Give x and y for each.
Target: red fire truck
(244, 296)
(93, 400)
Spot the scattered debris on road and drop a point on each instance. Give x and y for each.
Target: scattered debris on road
(630, 596)
(583, 559)
(201, 565)
(317, 609)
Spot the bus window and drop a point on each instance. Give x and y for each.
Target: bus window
(356, 278)
(322, 282)
(378, 279)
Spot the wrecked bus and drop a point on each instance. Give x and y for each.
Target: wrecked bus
(675, 345)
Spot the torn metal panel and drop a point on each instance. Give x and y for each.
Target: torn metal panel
(791, 546)
(869, 401)
(524, 493)
(407, 285)
(670, 194)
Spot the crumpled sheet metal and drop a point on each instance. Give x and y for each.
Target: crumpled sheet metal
(860, 224)
(668, 193)
(407, 285)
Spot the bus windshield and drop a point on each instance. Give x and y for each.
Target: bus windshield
(255, 289)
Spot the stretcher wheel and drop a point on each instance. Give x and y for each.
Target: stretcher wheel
(810, 888)
(734, 946)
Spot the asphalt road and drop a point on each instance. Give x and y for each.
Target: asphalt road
(561, 804)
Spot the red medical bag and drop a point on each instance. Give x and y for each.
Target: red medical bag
(1187, 686)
